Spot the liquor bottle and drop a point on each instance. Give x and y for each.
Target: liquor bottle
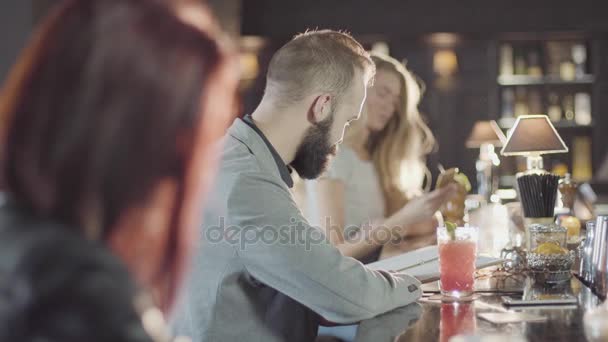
(568, 107)
(567, 70)
(520, 63)
(581, 159)
(555, 110)
(582, 109)
(579, 56)
(506, 60)
(508, 103)
(535, 105)
(567, 187)
(521, 103)
(534, 68)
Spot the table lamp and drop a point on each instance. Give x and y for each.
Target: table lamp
(533, 136)
(486, 135)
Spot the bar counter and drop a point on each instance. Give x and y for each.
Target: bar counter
(432, 320)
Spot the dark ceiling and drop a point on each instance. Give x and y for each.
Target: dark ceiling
(411, 18)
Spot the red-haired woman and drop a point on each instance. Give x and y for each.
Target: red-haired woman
(107, 125)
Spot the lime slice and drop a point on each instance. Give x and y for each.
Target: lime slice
(451, 229)
(463, 180)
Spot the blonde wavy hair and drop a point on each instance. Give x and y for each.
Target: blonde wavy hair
(405, 141)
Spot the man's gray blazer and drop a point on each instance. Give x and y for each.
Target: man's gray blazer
(261, 272)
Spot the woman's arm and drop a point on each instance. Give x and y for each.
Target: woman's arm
(331, 198)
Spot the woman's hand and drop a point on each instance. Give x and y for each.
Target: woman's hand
(423, 208)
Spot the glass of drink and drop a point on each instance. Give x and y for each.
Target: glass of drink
(457, 255)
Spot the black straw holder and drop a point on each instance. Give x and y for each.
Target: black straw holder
(538, 192)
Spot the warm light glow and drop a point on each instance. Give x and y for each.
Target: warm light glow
(252, 43)
(249, 65)
(381, 48)
(444, 39)
(445, 62)
(485, 132)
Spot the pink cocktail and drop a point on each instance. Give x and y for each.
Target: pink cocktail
(457, 254)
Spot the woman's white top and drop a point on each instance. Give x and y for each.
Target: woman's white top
(363, 197)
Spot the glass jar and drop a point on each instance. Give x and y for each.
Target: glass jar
(541, 233)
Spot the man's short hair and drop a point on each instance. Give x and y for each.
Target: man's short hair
(316, 61)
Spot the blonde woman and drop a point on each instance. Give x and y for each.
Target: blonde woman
(364, 201)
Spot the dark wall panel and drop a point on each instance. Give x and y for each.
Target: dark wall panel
(409, 17)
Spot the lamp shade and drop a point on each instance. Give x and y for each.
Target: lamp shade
(533, 134)
(485, 132)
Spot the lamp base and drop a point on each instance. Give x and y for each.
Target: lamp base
(534, 162)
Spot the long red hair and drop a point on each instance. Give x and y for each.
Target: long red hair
(109, 98)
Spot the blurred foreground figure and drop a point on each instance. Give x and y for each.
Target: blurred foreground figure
(108, 121)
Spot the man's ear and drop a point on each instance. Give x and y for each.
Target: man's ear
(320, 109)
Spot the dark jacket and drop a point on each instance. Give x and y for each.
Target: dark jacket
(57, 286)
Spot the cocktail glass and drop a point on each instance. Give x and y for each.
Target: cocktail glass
(457, 255)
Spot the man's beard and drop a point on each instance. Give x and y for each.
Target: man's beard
(313, 154)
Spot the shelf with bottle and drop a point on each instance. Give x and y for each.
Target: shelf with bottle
(544, 63)
(527, 80)
(551, 74)
(565, 108)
